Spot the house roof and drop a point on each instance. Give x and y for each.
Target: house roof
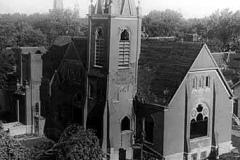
(81, 46)
(162, 68)
(62, 40)
(26, 50)
(224, 58)
(235, 85)
(219, 58)
(234, 61)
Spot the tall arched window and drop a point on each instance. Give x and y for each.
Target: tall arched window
(99, 48)
(208, 81)
(124, 49)
(194, 83)
(125, 124)
(199, 121)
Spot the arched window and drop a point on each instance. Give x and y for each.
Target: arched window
(125, 124)
(37, 108)
(99, 48)
(199, 121)
(194, 83)
(149, 124)
(90, 91)
(203, 81)
(124, 49)
(208, 81)
(200, 82)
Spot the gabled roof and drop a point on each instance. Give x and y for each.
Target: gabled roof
(162, 68)
(235, 85)
(81, 46)
(77, 51)
(234, 61)
(26, 50)
(116, 7)
(224, 58)
(219, 58)
(62, 40)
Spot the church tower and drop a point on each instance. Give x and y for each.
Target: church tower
(76, 8)
(58, 5)
(114, 47)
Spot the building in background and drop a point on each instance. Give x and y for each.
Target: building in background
(58, 5)
(24, 103)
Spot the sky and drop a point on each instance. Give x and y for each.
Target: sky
(189, 8)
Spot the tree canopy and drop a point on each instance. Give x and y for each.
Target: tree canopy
(20, 30)
(221, 28)
(39, 29)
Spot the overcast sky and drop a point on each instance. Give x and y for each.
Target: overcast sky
(189, 8)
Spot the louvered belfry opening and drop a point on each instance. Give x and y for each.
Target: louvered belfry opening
(124, 49)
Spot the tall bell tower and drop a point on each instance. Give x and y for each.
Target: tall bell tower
(114, 48)
(58, 4)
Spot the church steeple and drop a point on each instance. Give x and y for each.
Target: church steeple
(99, 7)
(114, 48)
(116, 7)
(76, 8)
(58, 5)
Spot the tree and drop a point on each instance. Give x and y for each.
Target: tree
(7, 63)
(26, 36)
(76, 143)
(162, 23)
(16, 31)
(220, 26)
(59, 22)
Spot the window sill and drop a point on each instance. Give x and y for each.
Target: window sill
(115, 101)
(126, 131)
(199, 138)
(122, 68)
(96, 66)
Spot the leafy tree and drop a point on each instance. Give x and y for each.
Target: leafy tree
(76, 143)
(59, 22)
(162, 23)
(27, 36)
(7, 63)
(15, 31)
(196, 26)
(220, 26)
(12, 149)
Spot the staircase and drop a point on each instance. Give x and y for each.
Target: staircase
(236, 119)
(145, 152)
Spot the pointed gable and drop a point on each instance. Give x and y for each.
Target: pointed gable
(99, 7)
(71, 53)
(204, 60)
(128, 8)
(162, 68)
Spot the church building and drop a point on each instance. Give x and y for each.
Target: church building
(183, 104)
(145, 98)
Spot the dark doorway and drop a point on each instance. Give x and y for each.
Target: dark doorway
(122, 154)
(78, 115)
(149, 124)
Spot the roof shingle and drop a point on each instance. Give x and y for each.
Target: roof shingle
(162, 68)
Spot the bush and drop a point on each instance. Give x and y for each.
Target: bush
(76, 143)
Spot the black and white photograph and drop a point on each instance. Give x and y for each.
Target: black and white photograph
(119, 80)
